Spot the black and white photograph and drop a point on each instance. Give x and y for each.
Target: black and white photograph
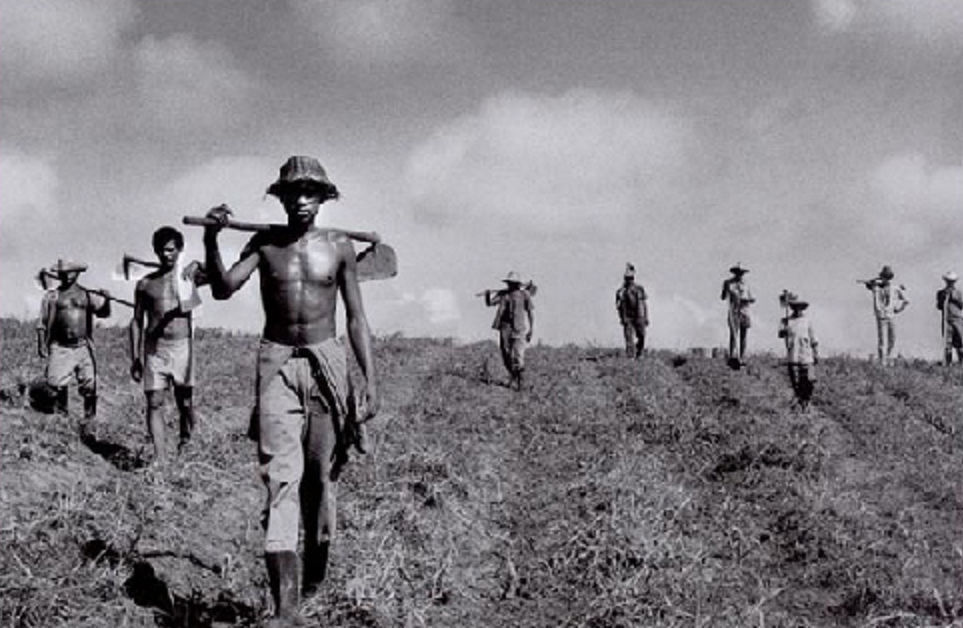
(481, 313)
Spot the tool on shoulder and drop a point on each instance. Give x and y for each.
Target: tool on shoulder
(44, 275)
(128, 260)
(869, 283)
(529, 287)
(377, 261)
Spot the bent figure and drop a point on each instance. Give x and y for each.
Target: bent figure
(302, 419)
(65, 336)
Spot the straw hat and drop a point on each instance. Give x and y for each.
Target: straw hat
(63, 266)
(886, 272)
(303, 170)
(512, 277)
(950, 277)
(629, 271)
(738, 269)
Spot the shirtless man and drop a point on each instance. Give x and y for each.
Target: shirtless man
(64, 334)
(163, 354)
(302, 397)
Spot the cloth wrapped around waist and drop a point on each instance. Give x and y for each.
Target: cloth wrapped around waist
(329, 369)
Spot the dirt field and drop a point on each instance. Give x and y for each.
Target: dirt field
(666, 492)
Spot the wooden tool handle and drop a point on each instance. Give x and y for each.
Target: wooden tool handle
(202, 221)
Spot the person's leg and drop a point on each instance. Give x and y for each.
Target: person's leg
(505, 347)
(59, 371)
(518, 359)
(281, 460)
(184, 398)
(733, 341)
(318, 493)
(629, 335)
(155, 423)
(890, 341)
(881, 340)
(743, 337)
(86, 373)
(640, 338)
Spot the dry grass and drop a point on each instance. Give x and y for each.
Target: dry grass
(666, 492)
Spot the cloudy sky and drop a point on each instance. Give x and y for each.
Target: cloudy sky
(813, 141)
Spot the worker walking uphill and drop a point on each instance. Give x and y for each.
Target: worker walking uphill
(736, 291)
(65, 335)
(515, 322)
(801, 348)
(630, 303)
(304, 409)
(888, 301)
(949, 301)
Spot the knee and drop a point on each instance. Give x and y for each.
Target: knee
(155, 402)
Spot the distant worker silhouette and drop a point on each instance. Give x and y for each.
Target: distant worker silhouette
(735, 290)
(632, 307)
(801, 348)
(515, 322)
(889, 300)
(949, 301)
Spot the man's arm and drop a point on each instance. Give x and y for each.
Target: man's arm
(530, 310)
(644, 305)
(903, 301)
(102, 310)
(136, 333)
(196, 273)
(223, 282)
(725, 290)
(358, 332)
(43, 332)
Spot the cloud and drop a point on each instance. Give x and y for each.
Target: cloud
(440, 305)
(918, 202)
(384, 32)
(926, 22)
(586, 159)
(183, 83)
(238, 180)
(60, 41)
(29, 185)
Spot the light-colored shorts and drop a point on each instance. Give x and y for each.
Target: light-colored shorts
(67, 362)
(169, 361)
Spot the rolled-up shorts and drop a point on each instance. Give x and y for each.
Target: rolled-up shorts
(169, 361)
(69, 361)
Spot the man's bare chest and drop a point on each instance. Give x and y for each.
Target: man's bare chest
(313, 262)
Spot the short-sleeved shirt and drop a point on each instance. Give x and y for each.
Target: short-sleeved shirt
(630, 302)
(513, 309)
(800, 340)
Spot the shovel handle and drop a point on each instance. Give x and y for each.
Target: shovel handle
(203, 221)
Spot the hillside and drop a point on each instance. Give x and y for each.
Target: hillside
(666, 492)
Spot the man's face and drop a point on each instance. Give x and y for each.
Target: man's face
(167, 254)
(67, 279)
(301, 203)
(628, 279)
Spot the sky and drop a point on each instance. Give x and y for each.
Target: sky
(812, 141)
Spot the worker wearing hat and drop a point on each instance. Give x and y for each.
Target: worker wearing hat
(515, 322)
(735, 290)
(304, 412)
(889, 300)
(949, 301)
(65, 333)
(630, 303)
(801, 348)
